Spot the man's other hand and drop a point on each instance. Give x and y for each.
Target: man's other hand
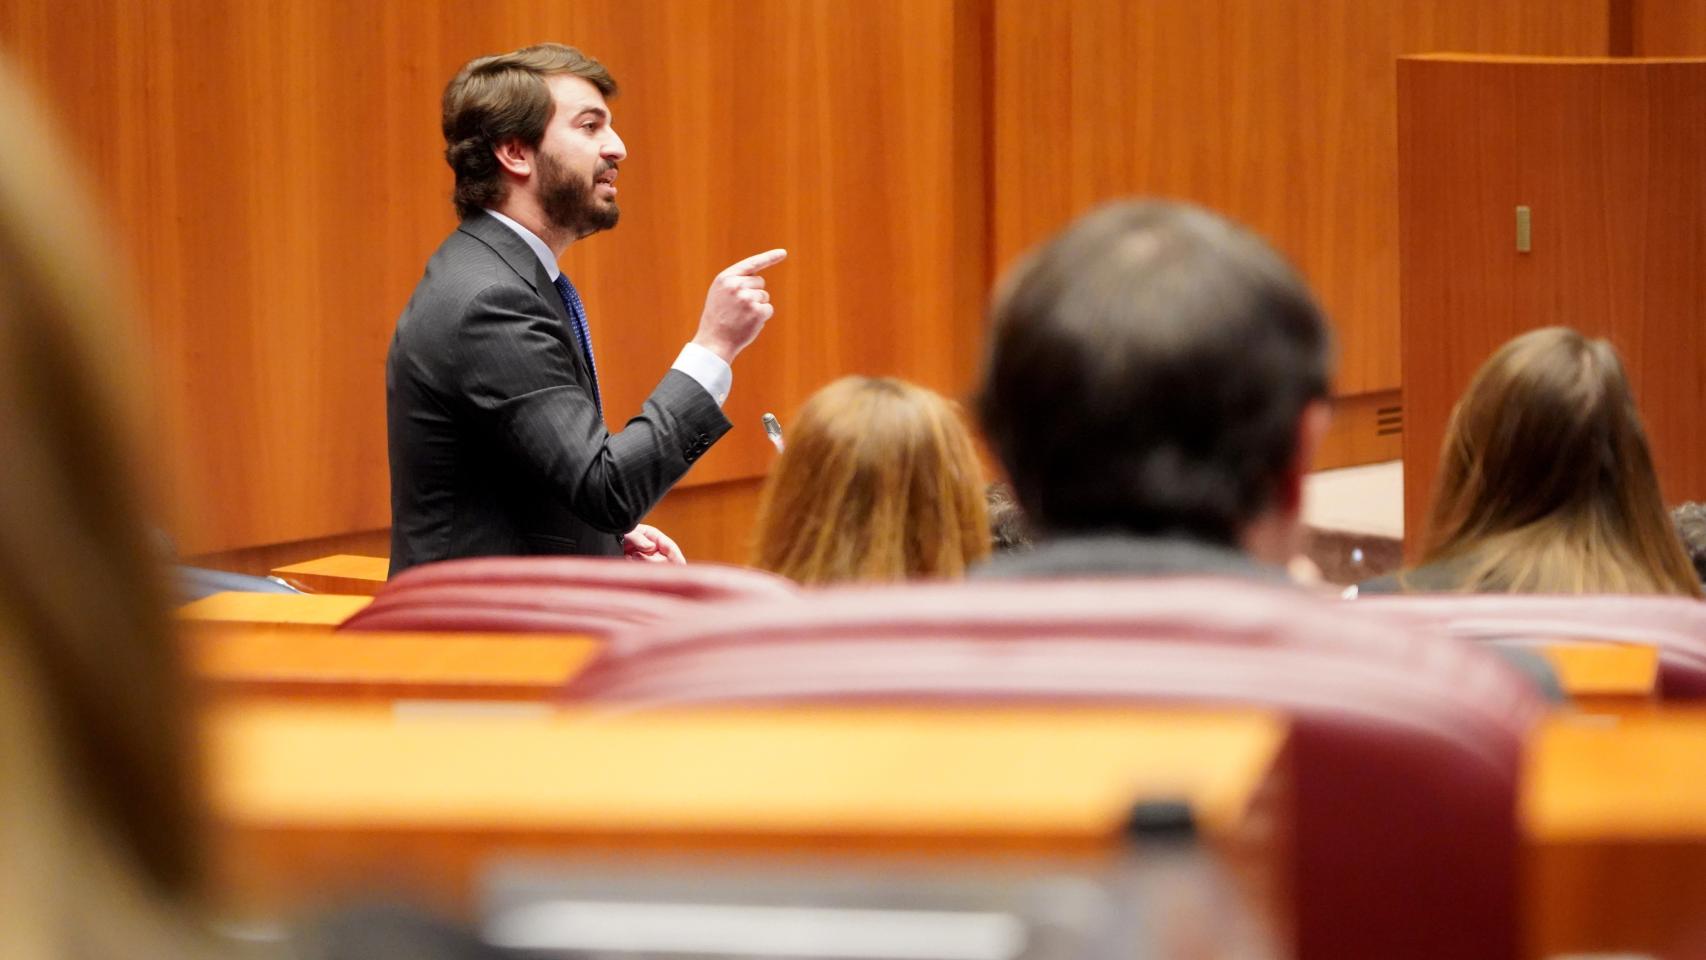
(737, 306)
(649, 544)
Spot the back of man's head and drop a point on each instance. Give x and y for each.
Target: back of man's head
(1148, 371)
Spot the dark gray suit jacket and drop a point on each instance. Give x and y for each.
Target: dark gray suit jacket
(496, 446)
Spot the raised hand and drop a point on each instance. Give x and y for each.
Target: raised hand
(737, 306)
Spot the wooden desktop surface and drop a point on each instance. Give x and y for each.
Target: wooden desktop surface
(1605, 676)
(1614, 812)
(315, 797)
(344, 573)
(270, 660)
(285, 610)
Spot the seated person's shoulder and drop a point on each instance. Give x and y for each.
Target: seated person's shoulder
(1444, 577)
(1379, 585)
(388, 932)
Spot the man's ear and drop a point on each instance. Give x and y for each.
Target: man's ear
(514, 157)
(1312, 427)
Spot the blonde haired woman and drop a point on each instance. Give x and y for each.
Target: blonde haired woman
(1546, 483)
(880, 482)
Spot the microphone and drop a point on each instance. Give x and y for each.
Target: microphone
(773, 430)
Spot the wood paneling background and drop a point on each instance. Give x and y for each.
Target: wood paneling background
(1278, 112)
(273, 171)
(1666, 28)
(1607, 155)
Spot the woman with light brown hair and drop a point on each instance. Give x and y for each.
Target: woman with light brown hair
(880, 482)
(1546, 483)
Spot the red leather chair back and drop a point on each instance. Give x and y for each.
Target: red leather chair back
(583, 595)
(1405, 747)
(1675, 625)
(693, 581)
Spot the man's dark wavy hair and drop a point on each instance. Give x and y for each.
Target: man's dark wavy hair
(495, 99)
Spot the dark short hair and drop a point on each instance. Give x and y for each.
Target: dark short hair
(1007, 528)
(1146, 372)
(495, 99)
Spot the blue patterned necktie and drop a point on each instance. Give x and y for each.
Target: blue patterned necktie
(577, 322)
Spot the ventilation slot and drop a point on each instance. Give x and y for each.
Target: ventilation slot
(1389, 421)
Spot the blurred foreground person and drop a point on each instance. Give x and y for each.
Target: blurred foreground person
(1155, 388)
(1546, 483)
(880, 482)
(99, 796)
(102, 848)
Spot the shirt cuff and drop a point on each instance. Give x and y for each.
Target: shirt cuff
(708, 369)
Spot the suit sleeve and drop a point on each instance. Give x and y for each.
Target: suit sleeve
(522, 379)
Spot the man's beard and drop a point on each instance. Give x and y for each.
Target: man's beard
(568, 201)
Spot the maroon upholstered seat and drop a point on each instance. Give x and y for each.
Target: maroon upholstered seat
(1675, 625)
(1405, 745)
(694, 581)
(556, 594)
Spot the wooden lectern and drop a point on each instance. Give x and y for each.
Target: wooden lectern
(1605, 160)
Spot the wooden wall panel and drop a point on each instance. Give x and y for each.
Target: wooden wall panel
(1366, 428)
(1607, 154)
(257, 177)
(1667, 28)
(274, 171)
(1279, 112)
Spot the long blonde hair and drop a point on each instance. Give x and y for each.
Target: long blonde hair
(1546, 483)
(880, 482)
(99, 792)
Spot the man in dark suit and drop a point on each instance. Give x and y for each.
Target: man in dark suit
(1155, 388)
(496, 428)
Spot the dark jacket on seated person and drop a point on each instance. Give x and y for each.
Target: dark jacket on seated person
(1446, 576)
(1119, 554)
(1116, 554)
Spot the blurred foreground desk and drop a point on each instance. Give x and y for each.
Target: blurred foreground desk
(837, 802)
(1605, 677)
(345, 573)
(273, 661)
(1615, 817)
(280, 610)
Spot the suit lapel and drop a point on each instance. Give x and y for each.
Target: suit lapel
(521, 258)
(485, 228)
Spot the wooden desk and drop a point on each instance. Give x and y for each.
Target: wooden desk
(278, 610)
(1605, 677)
(269, 660)
(344, 573)
(314, 798)
(1614, 811)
